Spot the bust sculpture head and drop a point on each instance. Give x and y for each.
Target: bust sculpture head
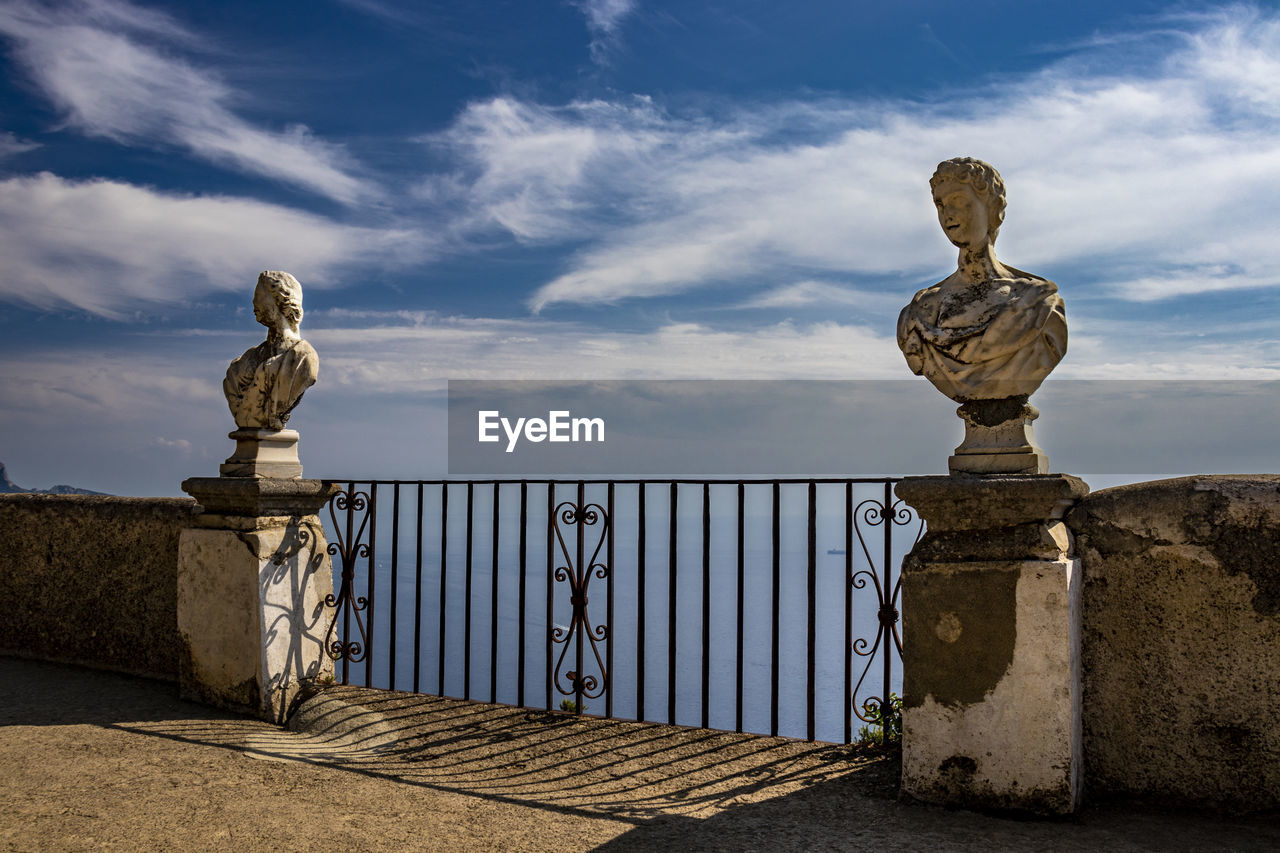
(970, 198)
(277, 303)
(264, 384)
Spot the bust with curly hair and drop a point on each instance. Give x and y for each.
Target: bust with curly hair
(264, 384)
(988, 331)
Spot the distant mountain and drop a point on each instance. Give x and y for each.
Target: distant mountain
(8, 487)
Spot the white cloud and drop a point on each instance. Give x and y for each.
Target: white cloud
(410, 353)
(802, 294)
(179, 444)
(61, 383)
(103, 246)
(113, 70)
(11, 145)
(603, 19)
(390, 352)
(1172, 164)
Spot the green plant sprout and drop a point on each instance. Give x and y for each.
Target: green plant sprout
(885, 728)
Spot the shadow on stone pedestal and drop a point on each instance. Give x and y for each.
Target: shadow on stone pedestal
(991, 644)
(253, 576)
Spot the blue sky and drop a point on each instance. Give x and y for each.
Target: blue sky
(594, 189)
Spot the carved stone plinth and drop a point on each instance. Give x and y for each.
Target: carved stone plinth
(263, 453)
(253, 576)
(991, 644)
(999, 439)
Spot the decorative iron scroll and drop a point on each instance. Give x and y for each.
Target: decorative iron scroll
(578, 572)
(347, 605)
(874, 513)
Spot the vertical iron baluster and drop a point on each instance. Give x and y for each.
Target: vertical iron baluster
(466, 616)
(706, 605)
(581, 570)
(348, 571)
(417, 603)
(444, 577)
(345, 603)
(775, 660)
(551, 570)
(395, 590)
(741, 601)
(581, 566)
(372, 585)
(520, 628)
(811, 671)
(640, 598)
(888, 587)
(848, 612)
(608, 697)
(493, 601)
(671, 608)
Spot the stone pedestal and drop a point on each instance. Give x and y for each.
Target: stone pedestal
(999, 439)
(991, 644)
(263, 453)
(253, 575)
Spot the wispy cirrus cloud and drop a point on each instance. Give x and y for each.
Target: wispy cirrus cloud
(1124, 166)
(802, 294)
(11, 145)
(117, 71)
(395, 352)
(603, 20)
(106, 246)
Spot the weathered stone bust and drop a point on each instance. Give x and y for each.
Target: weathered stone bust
(988, 334)
(987, 331)
(265, 384)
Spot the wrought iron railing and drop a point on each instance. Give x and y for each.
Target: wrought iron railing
(419, 578)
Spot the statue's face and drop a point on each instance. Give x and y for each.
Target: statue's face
(265, 310)
(962, 214)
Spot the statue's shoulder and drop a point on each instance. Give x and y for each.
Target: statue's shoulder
(1032, 284)
(250, 358)
(923, 305)
(303, 349)
(304, 359)
(929, 296)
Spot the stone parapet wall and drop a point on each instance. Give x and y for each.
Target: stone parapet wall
(1181, 641)
(92, 580)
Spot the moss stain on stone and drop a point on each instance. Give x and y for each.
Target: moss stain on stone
(964, 671)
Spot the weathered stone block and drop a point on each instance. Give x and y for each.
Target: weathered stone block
(991, 685)
(251, 605)
(1181, 642)
(991, 704)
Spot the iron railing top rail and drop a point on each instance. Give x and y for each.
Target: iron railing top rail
(603, 481)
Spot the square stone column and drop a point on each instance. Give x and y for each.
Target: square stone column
(253, 578)
(991, 644)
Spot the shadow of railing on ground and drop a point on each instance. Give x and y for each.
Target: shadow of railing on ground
(582, 765)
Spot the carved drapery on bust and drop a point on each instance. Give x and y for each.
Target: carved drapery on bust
(988, 331)
(264, 384)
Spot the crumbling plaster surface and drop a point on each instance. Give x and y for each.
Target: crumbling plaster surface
(91, 579)
(1181, 640)
(1027, 709)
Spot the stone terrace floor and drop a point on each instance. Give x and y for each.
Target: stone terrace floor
(92, 760)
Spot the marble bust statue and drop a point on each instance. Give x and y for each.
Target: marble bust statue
(265, 384)
(988, 331)
(988, 334)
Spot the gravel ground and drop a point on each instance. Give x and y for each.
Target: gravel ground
(98, 761)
